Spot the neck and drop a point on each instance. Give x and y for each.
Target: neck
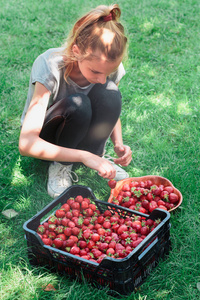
(77, 76)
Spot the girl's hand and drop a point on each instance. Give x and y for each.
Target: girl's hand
(100, 164)
(124, 153)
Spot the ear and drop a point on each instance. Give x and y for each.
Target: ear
(76, 51)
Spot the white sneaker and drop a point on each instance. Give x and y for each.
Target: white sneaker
(60, 178)
(120, 173)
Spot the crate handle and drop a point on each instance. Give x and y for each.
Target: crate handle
(147, 249)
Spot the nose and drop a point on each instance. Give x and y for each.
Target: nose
(101, 79)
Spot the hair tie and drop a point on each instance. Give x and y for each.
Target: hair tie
(108, 18)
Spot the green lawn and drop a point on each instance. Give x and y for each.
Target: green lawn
(160, 118)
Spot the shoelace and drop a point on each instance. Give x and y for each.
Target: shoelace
(110, 158)
(70, 174)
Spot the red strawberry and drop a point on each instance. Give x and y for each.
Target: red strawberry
(52, 220)
(107, 224)
(82, 244)
(75, 205)
(60, 213)
(89, 212)
(52, 235)
(169, 189)
(144, 230)
(52, 227)
(47, 241)
(97, 253)
(84, 205)
(64, 221)
(75, 230)
(66, 207)
(75, 250)
(59, 229)
(121, 229)
(112, 183)
(79, 198)
(126, 187)
(95, 237)
(57, 243)
(61, 236)
(152, 205)
(137, 242)
(101, 231)
(41, 229)
(69, 243)
(173, 198)
(68, 231)
(110, 251)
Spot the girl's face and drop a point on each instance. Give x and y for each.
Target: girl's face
(97, 68)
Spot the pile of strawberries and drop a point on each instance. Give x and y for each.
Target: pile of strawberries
(145, 196)
(79, 228)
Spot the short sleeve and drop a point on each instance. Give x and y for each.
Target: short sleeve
(42, 71)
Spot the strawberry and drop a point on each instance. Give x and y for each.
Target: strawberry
(52, 235)
(106, 224)
(66, 207)
(112, 183)
(75, 230)
(52, 227)
(169, 189)
(89, 212)
(79, 198)
(69, 243)
(162, 207)
(97, 253)
(59, 229)
(173, 198)
(64, 221)
(82, 244)
(75, 250)
(137, 242)
(57, 243)
(47, 241)
(152, 205)
(144, 230)
(61, 236)
(95, 237)
(84, 205)
(126, 187)
(60, 213)
(110, 251)
(68, 231)
(101, 231)
(121, 229)
(41, 229)
(52, 220)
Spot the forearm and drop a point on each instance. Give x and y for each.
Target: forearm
(41, 149)
(116, 135)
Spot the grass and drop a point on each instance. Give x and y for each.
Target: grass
(160, 118)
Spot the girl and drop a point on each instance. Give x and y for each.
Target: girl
(73, 103)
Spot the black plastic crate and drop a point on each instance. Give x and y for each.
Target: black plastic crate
(122, 276)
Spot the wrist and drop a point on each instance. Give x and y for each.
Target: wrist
(118, 144)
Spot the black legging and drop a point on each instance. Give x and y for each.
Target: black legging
(84, 122)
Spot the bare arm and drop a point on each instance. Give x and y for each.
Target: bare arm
(30, 143)
(123, 151)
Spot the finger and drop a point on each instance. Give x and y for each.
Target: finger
(107, 171)
(123, 161)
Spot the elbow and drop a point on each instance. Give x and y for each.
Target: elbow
(22, 149)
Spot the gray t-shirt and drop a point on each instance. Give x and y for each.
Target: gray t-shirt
(48, 70)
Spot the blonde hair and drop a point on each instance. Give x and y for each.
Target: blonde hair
(87, 33)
